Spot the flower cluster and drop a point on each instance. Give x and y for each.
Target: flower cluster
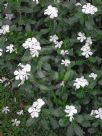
(70, 111)
(97, 113)
(86, 50)
(4, 29)
(54, 39)
(35, 109)
(51, 11)
(33, 45)
(15, 122)
(58, 44)
(22, 73)
(80, 82)
(89, 9)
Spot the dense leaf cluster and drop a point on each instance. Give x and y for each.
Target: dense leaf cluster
(47, 72)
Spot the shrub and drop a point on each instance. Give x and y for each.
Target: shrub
(50, 57)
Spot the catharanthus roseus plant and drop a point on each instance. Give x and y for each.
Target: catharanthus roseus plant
(51, 67)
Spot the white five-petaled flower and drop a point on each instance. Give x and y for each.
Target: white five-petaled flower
(58, 44)
(93, 75)
(65, 62)
(70, 111)
(97, 113)
(37, 1)
(10, 48)
(64, 52)
(35, 109)
(86, 51)
(81, 37)
(80, 82)
(20, 112)
(1, 52)
(5, 110)
(54, 38)
(15, 122)
(88, 41)
(33, 45)
(89, 9)
(51, 11)
(4, 29)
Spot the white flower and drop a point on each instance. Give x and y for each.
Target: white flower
(52, 12)
(58, 44)
(70, 111)
(80, 82)
(86, 51)
(62, 83)
(88, 41)
(2, 80)
(26, 68)
(97, 113)
(20, 112)
(1, 52)
(4, 29)
(93, 75)
(33, 45)
(5, 5)
(37, 1)
(81, 37)
(9, 16)
(64, 52)
(35, 109)
(5, 110)
(10, 48)
(78, 4)
(65, 62)
(15, 122)
(54, 38)
(89, 9)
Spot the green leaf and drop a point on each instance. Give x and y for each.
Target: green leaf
(54, 123)
(78, 131)
(31, 121)
(70, 131)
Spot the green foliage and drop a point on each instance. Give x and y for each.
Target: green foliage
(47, 72)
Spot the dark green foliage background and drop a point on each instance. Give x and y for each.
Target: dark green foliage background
(47, 72)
